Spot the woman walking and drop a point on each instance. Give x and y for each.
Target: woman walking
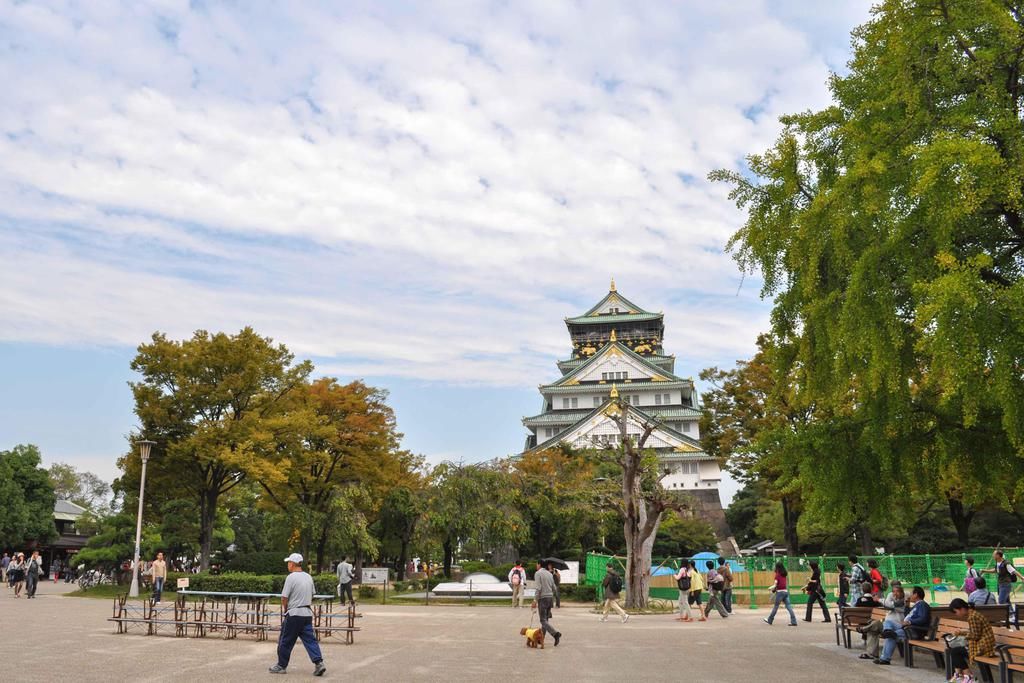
(816, 593)
(781, 590)
(16, 572)
(683, 582)
(159, 572)
(696, 588)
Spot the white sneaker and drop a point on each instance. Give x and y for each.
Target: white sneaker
(625, 619)
(604, 618)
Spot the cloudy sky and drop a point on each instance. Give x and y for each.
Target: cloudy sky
(415, 194)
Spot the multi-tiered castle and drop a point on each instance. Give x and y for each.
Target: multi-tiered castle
(617, 353)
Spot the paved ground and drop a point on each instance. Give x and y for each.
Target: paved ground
(57, 638)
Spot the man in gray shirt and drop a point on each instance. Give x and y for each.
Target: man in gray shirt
(297, 607)
(345, 581)
(544, 597)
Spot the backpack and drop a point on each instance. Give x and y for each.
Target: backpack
(615, 583)
(516, 578)
(969, 585)
(885, 581)
(684, 583)
(858, 574)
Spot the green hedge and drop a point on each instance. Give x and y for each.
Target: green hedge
(264, 563)
(239, 582)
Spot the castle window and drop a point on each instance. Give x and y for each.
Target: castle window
(565, 403)
(657, 399)
(597, 401)
(686, 426)
(575, 403)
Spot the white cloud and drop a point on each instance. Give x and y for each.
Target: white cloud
(408, 194)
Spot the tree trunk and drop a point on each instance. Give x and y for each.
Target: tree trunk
(866, 543)
(447, 545)
(790, 516)
(321, 550)
(639, 526)
(207, 515)
(961, 518)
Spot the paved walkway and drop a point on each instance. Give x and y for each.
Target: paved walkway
(58, 638)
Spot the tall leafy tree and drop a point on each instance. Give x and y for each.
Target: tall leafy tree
(26, 497)
(889, 228)
(330, 437)
(472, 505)
(81, 488)
(555, 494)
(208, 402)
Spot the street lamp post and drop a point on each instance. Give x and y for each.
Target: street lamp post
(144, 448)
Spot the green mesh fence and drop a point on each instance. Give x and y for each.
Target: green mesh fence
(940, 575)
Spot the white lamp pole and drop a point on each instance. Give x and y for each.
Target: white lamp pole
(144, 448)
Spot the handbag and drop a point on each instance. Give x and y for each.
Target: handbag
(956, 641)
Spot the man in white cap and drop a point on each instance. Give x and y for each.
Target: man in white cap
(296, 604)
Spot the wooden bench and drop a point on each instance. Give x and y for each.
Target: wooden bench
(935, 642)
(947, 624)
(1012, 662)
(852, 618)
(1007, 641)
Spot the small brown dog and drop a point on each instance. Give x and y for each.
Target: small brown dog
(534, 637)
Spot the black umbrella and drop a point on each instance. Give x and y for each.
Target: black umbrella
(554, 562)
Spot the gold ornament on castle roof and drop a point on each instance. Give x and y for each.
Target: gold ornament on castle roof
(614, 392)
(613, 336)
(612, 288)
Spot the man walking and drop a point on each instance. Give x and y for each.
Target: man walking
(159, 571)
(725, 571)
(6, 560)
(345, 574)
(1006, 576)
(612, 585)
(296, 605)
(33, 568)
(517, 579)
(715, 583)
(544, 585)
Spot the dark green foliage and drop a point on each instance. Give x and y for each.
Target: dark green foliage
(238, 582)
(258, 563)
(578, 593)
(742, 515)
(26, 497)
(367, 592)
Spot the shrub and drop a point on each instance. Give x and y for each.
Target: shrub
(474, 566)
(367, 592)
(264, 563)
(579, 593)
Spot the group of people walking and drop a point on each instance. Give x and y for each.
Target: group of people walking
(692, 584)
(22, 575)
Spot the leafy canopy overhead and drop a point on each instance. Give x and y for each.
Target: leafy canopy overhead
(889, 228)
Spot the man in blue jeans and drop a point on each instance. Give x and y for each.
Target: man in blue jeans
(1006, 575)
(296, 605)
(915, 624)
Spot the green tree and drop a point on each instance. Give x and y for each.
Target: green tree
(208, 402)
(472, 505)
(742, 514)
(751, 421)
(402, 510)
(26, 497)
(683, 536)
(81, 488)
(889, 228)
(331, 437)
(555, 494)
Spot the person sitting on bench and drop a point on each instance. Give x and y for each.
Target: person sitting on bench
(915, 625)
